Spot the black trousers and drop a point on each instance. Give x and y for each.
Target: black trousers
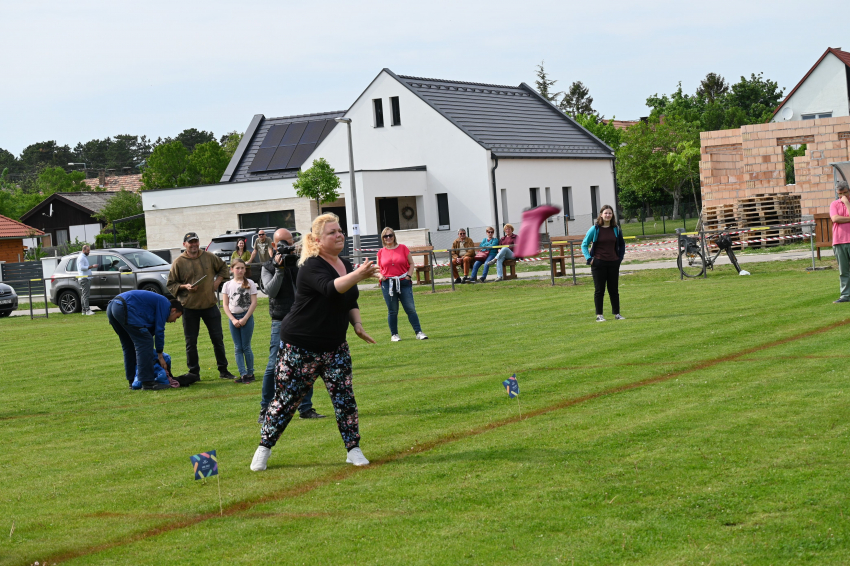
(192, 326)
(605, 273)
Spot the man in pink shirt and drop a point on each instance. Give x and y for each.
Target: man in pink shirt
(839, 211)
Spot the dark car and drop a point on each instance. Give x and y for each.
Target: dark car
(8, 300)
(114, 271)
(223, 246)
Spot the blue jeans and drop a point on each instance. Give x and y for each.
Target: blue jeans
(504, 253)
(136, 342)
(478, 264)
(242, 342)
(268, 377)
(405, 296)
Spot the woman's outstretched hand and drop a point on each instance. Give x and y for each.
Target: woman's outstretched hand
(358, 329)
(366, 270)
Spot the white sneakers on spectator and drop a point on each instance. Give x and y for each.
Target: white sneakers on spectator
(261, 458)
(421, 336)
(618, 317)
(356, 457)
(600, 318)
(492, 262)
(88, 313)
(395, 338)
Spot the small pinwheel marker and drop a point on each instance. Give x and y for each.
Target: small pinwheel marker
(205, 465)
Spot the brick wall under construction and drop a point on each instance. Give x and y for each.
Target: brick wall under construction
(749, 162)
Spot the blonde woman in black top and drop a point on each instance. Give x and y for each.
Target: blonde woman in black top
(313, 339)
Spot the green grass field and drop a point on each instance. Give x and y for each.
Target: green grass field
(710, 427)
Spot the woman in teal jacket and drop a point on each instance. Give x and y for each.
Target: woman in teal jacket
(486, 244)
(604, 248)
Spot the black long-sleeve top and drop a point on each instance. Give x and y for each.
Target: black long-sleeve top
(318, 320)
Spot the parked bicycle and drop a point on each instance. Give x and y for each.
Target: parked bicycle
(691, 261)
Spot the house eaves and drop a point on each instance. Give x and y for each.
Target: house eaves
(843, 56)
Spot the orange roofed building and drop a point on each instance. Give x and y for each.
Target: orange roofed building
(12, 235)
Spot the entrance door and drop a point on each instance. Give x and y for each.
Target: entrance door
(339, 211)
(388, 214)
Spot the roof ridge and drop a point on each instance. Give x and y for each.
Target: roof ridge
(458, 82)
(306, 115)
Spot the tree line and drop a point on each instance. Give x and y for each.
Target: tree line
(658, 157)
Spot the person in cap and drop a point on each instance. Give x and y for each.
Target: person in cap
(194, 278)
(138, 318)
(839, 212)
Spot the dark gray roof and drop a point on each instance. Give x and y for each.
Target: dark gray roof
(90, 201)
(239, 169)
(511, 121)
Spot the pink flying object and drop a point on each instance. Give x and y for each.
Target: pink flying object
(528, 241)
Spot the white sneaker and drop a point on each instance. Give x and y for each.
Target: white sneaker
(89, 313)
(356, 457)
(618, 317)
(492, 262)
(600, 318)
(421, 336)
(395, 338)
(261, 458)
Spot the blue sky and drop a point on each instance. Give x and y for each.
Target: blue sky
(83, 70)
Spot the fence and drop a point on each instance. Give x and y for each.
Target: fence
(16, 275)
(658, 219)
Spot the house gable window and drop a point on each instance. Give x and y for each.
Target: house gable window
(443, 212)
(378, 107)
(396, 111)
(534, 196)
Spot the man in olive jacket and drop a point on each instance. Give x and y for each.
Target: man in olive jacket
(464, 257)
(194, 278)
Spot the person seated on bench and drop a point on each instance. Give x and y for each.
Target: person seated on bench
(509, 239)
(462, 257)
(486, 246)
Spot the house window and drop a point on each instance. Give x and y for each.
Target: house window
(594, 202)
(272, 218)
(443, 212)
(505, 206)
(567, 193)
(396, 111)
(533, 196)
(817, 116)
(378, 105)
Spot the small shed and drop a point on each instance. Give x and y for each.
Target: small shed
(12, 236)
(68, 217)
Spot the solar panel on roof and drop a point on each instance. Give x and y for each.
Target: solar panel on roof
(313, 131)
(281, 157)
(301, 153)
(261, 160)
(329, 125)
(294, 133)
(274, 135)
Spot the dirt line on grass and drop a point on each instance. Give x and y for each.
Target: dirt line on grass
(419, 448)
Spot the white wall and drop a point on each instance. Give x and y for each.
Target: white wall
(83, 233)
(456, 164)
(825, 90)
(517, 176)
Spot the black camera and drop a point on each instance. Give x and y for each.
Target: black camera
(289, 253)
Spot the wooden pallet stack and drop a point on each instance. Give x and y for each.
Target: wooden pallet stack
(768, 210)
(720, 217)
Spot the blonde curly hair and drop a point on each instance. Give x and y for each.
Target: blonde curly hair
(310, 241)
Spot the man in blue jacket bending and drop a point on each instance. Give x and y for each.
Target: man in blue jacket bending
(138, 318)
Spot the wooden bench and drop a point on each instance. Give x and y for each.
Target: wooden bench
(509, 269)
(823, 231)
(423, 271)
(560, 244)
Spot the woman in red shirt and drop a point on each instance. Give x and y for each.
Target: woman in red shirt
(396, 270)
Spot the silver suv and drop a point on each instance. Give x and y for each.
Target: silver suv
(114, 271)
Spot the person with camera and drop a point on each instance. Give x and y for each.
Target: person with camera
(279, 276)
(194, 278)
(313, 339)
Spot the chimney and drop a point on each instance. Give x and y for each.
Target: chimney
(101, 178)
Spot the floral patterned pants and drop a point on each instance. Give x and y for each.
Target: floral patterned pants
(295, 372)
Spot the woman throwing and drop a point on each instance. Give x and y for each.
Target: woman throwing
(313, 339)
(240, 301)
(397, 269)
(604, 257)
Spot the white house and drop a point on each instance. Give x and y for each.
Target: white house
(428, 154)
(824, 92)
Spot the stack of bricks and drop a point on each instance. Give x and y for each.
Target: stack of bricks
(749, 161)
